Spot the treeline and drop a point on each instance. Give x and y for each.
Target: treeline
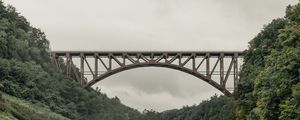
(270, 78)
(216, 108)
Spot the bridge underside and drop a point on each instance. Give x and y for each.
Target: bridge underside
(207, 66)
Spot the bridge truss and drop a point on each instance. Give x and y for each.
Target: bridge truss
(207, 66)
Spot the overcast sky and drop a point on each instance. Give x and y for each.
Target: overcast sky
(156, 25)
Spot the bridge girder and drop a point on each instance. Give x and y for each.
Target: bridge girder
(188, 62)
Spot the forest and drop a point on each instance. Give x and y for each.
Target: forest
(32, 89)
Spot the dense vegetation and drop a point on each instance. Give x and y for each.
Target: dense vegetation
(269, 88)
(270, 78)
(15, 108)
(216, 108)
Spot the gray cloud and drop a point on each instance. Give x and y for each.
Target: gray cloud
(153, 80)
(152, 25)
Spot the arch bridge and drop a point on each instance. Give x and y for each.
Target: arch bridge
(215, 68)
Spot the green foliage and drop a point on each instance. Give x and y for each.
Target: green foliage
(150, 115)
(217, 108)
(270, 76)
(28, 81)
(254, 62)
(14, 108)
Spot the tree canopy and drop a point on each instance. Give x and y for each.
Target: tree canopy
(269, 87)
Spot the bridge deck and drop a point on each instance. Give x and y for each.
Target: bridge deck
(146, 53)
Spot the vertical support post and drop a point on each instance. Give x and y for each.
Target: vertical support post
(152, 58)
(194, 62)
(124, 59)
(208, 65)
(96, 65)
(109, 62)
(179, 59)
(222, 70)
(82, 79)
(138, 57)
(166, 57)
(235, 69)
(68, 64)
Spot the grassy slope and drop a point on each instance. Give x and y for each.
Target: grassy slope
(12, 108)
